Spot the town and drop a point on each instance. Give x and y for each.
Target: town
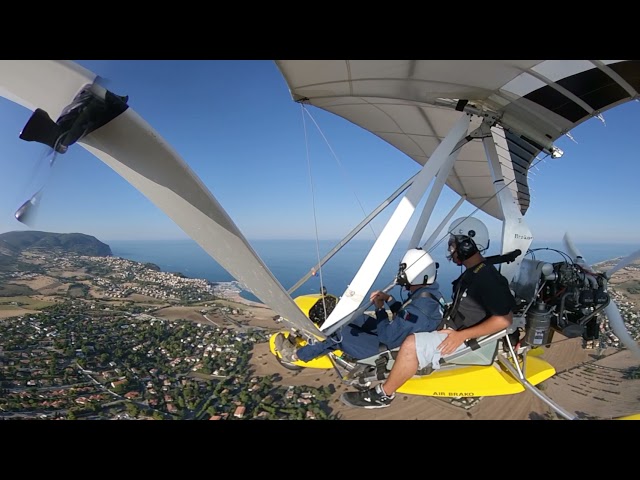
(92, 344)
(88, 356)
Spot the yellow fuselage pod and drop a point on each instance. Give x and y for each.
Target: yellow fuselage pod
(477, 381)
(471, 381)
(323, 362)
(316, 307)
(463, 381)
(307, 303)
(635, 416)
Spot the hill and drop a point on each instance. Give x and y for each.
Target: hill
(13, 243)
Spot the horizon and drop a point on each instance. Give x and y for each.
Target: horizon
(324, 240)
(235, 124)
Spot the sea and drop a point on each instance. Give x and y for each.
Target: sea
(290, 260)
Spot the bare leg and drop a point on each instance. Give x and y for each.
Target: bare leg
(405, 366)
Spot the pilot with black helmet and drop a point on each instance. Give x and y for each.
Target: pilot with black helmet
(482, 305)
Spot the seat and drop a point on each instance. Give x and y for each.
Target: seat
(479, 352)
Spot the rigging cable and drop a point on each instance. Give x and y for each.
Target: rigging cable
(343, 170)
(315, 219)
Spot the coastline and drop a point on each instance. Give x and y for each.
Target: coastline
(232, 292)
(237, 298)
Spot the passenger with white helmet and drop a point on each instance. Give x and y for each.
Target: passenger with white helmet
(367, 335)
(482, 305)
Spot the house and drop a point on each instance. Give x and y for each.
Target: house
(239, 413)
(118, 382)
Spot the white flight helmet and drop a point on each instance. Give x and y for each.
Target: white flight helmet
(417, 268)
(468, 236)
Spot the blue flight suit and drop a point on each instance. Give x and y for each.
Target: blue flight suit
(366, 336)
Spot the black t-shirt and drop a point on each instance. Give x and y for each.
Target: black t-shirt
(484, 293)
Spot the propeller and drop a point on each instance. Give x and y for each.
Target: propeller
(27, 212)
(611, 310)
(628, 260)
(92, 107)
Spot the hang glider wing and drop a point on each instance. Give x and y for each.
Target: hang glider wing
(46, 84)
(131, 147)
(135, 151)
(412, 105)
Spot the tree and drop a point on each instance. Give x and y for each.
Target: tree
(132, 409)
(157, 415)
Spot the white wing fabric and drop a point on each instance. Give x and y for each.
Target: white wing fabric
(411, 105)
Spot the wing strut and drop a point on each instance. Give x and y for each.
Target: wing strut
(427, 245)
(438, 185)
(354, 232)
(379, 253)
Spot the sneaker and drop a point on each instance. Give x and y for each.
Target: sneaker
(372, 398)
(285, 348)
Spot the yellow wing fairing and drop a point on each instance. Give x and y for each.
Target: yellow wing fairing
(635, 416)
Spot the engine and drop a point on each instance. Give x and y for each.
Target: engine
(563, 296)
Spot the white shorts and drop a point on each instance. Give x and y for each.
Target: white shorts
(427, 348)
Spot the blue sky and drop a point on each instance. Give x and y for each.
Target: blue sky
(235, 124)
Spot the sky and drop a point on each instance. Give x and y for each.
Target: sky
(278, 175)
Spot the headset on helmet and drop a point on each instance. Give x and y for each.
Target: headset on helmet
(468, 237)
(417, 268)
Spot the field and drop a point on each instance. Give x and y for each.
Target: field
(25, 302)
(22, 305)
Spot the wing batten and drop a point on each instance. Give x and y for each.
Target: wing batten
(615, 76)
(629, 71)
(564, 92)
